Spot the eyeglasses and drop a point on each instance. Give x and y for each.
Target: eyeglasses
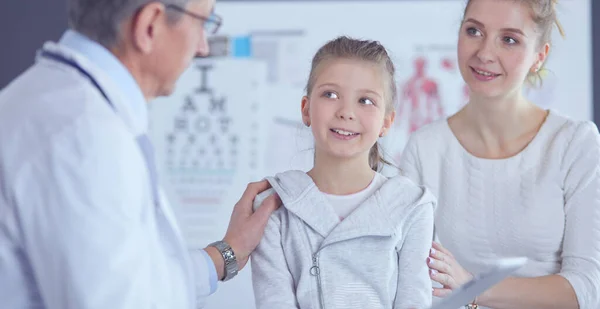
(211, 23)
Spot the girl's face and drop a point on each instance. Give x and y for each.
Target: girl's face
(346, 108)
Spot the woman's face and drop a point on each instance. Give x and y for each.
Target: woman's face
(498, 46)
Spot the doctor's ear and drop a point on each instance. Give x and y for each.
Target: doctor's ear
(147, 25)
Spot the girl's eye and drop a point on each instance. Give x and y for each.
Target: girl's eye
(330, 95)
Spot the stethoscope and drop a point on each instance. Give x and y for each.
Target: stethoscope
(66, 61)
(143, 141)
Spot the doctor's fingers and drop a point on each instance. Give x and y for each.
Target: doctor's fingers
(261, 215)
(244, 205)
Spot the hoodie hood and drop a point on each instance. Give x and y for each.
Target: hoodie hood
(379, 215)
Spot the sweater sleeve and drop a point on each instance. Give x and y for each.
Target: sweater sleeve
(410, 162)
(410, 167)
(581, 244)
(271, 278)
(414, 283)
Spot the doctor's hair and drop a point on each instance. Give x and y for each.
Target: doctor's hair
(100, 20)
(344, 47)
(544, 15)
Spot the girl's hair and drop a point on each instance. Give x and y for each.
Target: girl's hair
(543, 13)
(364, 50)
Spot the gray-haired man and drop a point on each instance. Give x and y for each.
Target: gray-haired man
(83, 223)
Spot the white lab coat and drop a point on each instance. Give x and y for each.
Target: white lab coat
(78, 226)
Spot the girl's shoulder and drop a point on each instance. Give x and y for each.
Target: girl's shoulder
(403, 197)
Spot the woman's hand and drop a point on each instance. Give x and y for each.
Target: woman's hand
(445, 270)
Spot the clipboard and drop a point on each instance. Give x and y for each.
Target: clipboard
(464, 295)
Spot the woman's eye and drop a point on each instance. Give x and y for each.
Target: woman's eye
(509, 40)
(366, 101)
(473, 31)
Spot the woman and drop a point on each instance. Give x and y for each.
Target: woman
(512, 179)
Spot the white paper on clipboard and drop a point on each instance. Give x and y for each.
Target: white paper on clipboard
(482, 282)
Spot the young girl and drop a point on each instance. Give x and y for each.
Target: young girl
(346, 236)
(513, 179)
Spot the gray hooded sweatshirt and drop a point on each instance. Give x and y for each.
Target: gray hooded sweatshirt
(375, 258)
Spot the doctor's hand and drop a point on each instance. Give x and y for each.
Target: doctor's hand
(445, 270)
(246, 227)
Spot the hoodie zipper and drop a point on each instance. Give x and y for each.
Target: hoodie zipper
(315, 270)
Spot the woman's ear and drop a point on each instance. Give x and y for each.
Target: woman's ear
(541, 56)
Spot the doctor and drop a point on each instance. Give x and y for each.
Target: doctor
(82, 221)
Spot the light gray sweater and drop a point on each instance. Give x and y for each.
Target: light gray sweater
(375, 258)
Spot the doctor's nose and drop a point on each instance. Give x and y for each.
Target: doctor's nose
(203, 48)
